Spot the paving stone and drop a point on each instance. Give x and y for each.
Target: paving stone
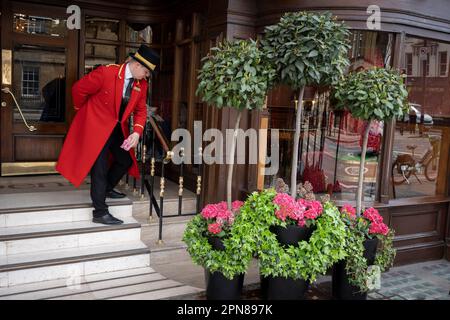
(397, 298)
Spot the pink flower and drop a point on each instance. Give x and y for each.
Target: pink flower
(378, 228)
(221, 217)
(214, 228)
(209, 212)
(313, 208)
(373, 215)
(236, 205)
(348, 209)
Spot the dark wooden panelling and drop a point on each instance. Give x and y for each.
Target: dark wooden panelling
(420, 231)
(447, 236)
(37, 148)
(418, 222)
(419, 253)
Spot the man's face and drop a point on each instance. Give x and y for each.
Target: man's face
(138, 71)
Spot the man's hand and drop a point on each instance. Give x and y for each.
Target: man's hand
(131, 141)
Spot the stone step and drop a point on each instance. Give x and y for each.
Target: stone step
(112, 285)
(54, 207)
(72, 263)
(44, 237)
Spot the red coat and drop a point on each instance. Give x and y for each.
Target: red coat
(97, 97)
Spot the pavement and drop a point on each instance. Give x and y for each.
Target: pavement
(421, 281)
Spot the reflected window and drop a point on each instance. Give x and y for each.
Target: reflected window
(23, 23)
(102, 28)
(40, 76)
(30, 81)
(443, 63)
(139, 33)
(419, 166)
(99, 54)
(331, 142)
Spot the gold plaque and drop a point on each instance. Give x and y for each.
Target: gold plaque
(6, 67)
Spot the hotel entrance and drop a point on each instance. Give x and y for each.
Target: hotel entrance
(39, 66)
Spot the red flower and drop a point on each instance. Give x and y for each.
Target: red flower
(214, 228)
(373, 215)
(348, 209)
(378, 228)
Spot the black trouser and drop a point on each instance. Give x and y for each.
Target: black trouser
(104, 179)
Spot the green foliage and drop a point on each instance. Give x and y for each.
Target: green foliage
(235, 74)
(309, 259)
(307, 49)
(237, 255)
(374, 94)
(356, 265)
(386, 252)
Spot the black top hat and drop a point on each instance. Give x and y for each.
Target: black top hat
(147, 57)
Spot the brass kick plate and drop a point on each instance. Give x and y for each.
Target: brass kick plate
(27, 168)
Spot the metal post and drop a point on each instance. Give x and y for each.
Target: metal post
(152, 175)
(161, 202)
(199, 180)
(180, 184)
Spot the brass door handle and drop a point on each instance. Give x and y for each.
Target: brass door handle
(30, 128)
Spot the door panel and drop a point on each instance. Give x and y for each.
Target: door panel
(36, 103)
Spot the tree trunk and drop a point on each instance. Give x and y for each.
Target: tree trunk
(231, 160)
(360, 191)
(298, 120)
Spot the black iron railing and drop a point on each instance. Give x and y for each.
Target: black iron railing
(153, 132)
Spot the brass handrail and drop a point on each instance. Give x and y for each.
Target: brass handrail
(30, 128)
(159, 135)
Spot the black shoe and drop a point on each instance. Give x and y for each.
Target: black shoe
(115, 194)
(107, 219)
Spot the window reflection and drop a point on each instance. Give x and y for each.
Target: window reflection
(139, 33)
(99, 54)
(40, 83)
(102, 28)
(330, 142)
(419, 166)
(23, 23)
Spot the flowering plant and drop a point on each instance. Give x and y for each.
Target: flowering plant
(369, 225)
(215, 220)
(310, 258)
(219, 218)
(300, 212)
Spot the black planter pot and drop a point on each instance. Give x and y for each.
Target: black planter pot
(218, 287)
(291, 235)
(279, 288)
(341, 288)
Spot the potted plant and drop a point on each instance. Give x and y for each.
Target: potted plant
(306, 49)
(369, 248)
(374, 94)
(288, 264)
(211, 243)
(237, 75)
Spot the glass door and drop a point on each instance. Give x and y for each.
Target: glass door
(39, 66)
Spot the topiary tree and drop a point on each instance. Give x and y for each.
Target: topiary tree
(375, 94)
(237, 75)
(306, 49)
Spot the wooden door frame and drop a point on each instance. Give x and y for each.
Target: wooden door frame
(11, 129)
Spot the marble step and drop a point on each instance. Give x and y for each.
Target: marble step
(122, 285)
(44, 237)
(72, 263)
(54, 207)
